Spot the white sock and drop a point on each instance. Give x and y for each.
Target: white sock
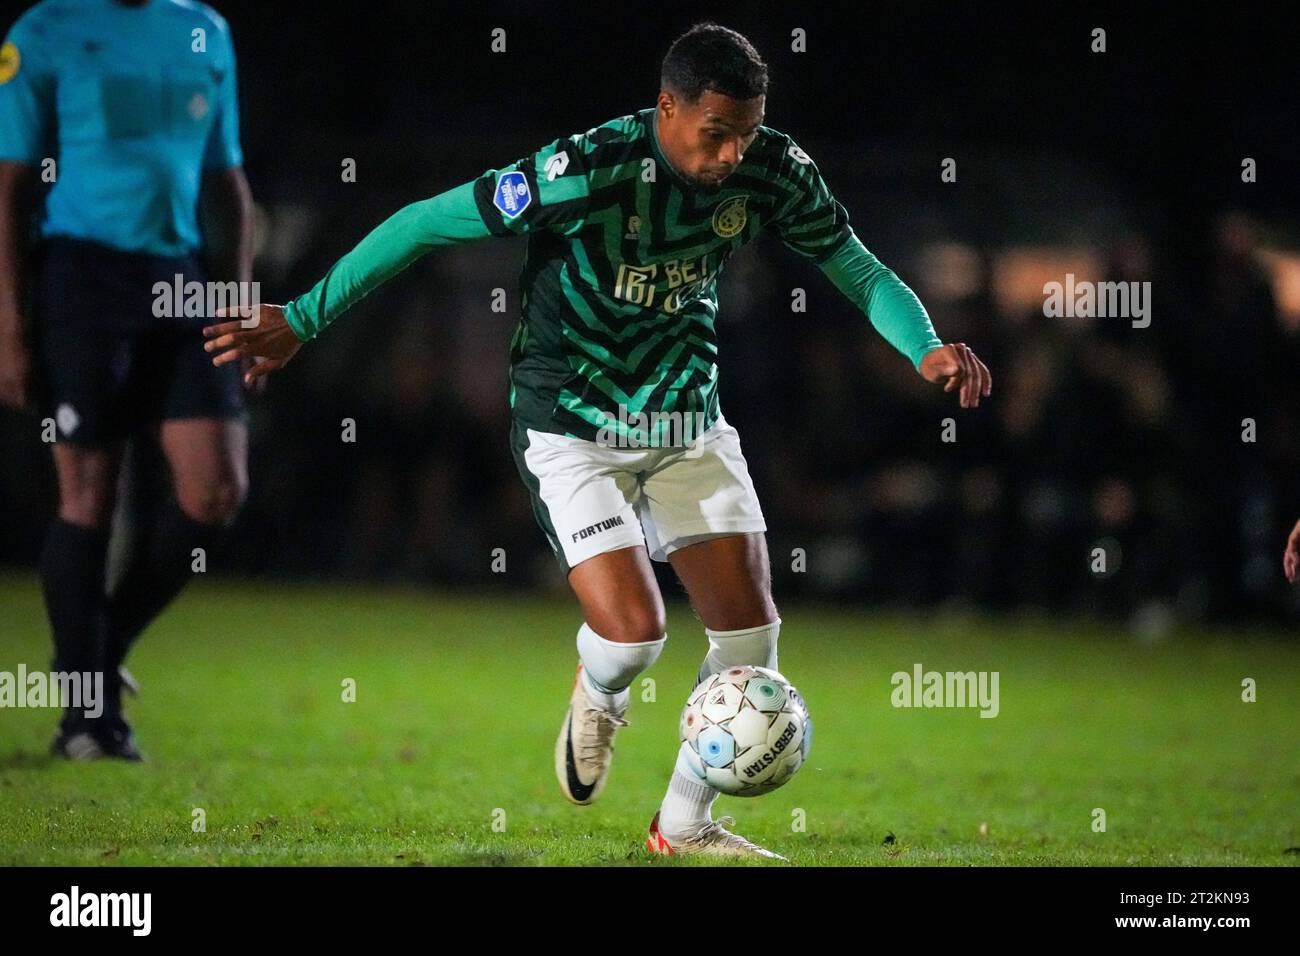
(688, 802)
(608, 667)
(755, 646)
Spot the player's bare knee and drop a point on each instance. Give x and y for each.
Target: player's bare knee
(87, 500)
(214, 503)
(633, 625)
(87, 485)
(736, 609)
(760, 605)
(742, 615)
(87, 507)
(758, 596)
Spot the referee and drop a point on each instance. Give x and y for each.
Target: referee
(129, 109)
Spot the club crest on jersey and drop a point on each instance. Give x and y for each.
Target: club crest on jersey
(512, 195)
(729, 218)
(633, 228)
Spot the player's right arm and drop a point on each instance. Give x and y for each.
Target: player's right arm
(544, 190)
(1291, 556)
(27, 118)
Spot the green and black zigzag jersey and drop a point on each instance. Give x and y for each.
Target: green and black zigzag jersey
(620, 281)
(619, 286)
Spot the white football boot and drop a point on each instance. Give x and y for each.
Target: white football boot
(585, 747)
(709, 838)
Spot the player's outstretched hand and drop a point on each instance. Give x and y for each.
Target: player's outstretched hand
(958, 367)
(1291, 556)
(260, 334)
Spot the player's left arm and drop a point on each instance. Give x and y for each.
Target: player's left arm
(813, 224)
(899, 316)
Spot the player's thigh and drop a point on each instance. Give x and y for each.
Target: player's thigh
(208, 458)
(583, 494)
(619, 596)
(585, 497)
(703, 515)
(87, 478)
(728, 580)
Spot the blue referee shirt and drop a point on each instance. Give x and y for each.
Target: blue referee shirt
(134, 103)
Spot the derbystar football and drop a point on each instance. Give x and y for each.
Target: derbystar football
(746, 731)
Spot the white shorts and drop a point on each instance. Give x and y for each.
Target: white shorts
(591, 498)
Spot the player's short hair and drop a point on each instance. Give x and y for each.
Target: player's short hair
(711, 57)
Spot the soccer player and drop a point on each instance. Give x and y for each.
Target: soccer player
(629, 225)
(129, 108)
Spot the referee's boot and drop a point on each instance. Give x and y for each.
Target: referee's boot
(92, 738)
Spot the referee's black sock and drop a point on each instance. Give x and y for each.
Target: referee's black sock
(72, 578)
(155, 575)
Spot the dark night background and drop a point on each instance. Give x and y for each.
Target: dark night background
(1123, 165)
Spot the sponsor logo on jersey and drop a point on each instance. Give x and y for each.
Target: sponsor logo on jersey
(729, 218)
(555, 166)
(10, 60)
(684, 280)
(512, 195)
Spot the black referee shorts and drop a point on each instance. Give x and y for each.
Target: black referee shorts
(107, 365)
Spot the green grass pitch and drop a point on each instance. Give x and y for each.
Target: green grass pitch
(445, 757)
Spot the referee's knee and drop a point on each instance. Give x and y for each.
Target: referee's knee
(216, 502)
(87, 508)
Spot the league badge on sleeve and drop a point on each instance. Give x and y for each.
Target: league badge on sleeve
(10, 60)
(512, 195)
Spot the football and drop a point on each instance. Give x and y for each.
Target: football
(746, 731)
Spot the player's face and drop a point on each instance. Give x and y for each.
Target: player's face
(706, 140)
